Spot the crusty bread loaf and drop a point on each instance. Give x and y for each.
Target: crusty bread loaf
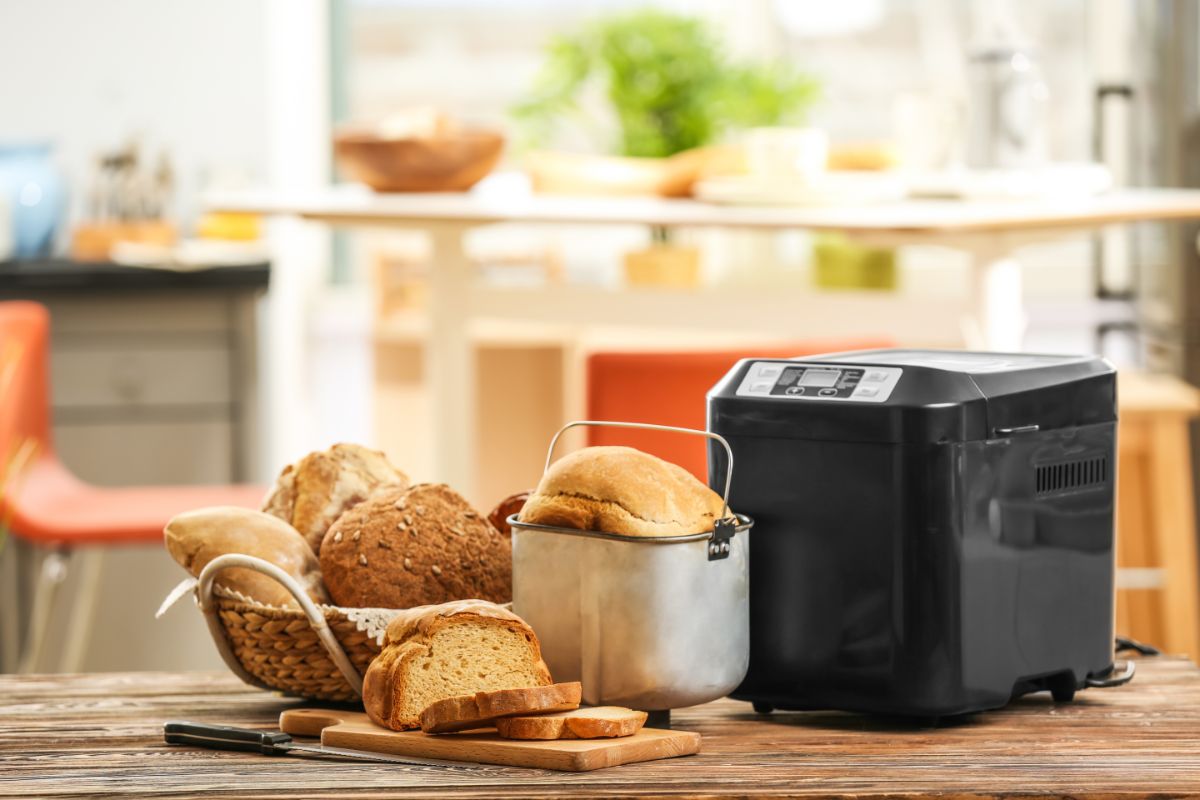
(414, 547)
(314, 491)
(195, 538)
(584, 723)
(431, 653)
(480, 709)
(622, 490)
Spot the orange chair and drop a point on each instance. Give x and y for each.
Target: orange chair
(669, 389)
(45, 506)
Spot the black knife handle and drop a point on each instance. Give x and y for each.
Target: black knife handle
(223, 737)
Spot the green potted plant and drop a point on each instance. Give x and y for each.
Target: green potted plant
(672, 94)
(667, 82)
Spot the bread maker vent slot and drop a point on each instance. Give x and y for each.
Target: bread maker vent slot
(1068, 475)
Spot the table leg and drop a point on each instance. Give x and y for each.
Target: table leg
(1169, 459)
(450, 361)
(997, 322)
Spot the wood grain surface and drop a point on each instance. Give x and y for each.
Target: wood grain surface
(101, 736)
(352, 729)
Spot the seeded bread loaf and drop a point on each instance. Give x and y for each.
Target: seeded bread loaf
(195, 538)
(584, 723)
(436, 652)
(414, 547)
(314, 491)
(622, 490)
(482, 708)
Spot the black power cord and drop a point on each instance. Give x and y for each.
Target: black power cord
(1113, 678)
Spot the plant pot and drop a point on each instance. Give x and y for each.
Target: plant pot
(663, 266)
(839, 263)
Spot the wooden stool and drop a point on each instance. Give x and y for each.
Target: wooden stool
(1158, 591)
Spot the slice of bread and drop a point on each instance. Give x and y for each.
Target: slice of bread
(431, 653)
(480, 709)
(584, 723)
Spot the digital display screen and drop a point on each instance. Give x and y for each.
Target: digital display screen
(820, 377)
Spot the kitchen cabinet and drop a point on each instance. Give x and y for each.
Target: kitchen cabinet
(153, 373)
(153, 381)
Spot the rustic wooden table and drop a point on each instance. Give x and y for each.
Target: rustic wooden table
(101, 736)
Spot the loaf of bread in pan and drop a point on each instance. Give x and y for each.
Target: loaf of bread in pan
(622, 490)
(314, 491)
(195, 538)
(415, 547)
(436, 652)
(584, 723)
(478, 710)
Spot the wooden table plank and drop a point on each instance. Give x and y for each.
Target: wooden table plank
(100, 736)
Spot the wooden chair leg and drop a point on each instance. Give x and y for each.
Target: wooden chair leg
(1170, 486)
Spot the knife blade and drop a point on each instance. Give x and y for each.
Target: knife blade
(276, 743)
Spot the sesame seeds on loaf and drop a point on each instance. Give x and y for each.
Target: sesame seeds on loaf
(622, 490)
(412, 547)
(436, 652)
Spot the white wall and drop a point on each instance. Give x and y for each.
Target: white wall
(187, 75)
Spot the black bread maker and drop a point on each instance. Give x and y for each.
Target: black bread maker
(933, 529)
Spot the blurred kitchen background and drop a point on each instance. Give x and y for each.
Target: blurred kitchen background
(194, 341)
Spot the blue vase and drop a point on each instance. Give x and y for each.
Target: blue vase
(34, 190)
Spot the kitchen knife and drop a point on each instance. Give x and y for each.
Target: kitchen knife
(277, 743)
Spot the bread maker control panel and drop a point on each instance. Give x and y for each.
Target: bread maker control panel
(851, 383)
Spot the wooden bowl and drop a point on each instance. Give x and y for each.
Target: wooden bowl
(452, 162)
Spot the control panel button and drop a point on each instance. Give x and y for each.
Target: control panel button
(830, 392)
(761, 387)
(866, 391)
(769, 370)
(875, 377)
(794, 390)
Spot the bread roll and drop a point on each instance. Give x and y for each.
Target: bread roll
(432, 653)
(505, 509)
(482, 708)
(414, 547)
(195, 538)
(314, 491)
(583, 723)
(622, 490)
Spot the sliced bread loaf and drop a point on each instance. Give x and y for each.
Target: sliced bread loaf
(583, 723)
(480, 709)
(431, 653)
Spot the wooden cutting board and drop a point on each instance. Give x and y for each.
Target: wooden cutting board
(354, 730)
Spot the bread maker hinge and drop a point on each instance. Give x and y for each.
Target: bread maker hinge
(718, 545)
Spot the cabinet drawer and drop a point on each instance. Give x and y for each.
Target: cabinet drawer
(105, 376)
(148, 453)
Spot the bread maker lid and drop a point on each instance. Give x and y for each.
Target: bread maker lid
(912, 395)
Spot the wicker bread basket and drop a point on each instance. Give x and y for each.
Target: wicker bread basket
(317, 652)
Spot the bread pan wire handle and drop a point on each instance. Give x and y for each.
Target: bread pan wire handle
(650, 426)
